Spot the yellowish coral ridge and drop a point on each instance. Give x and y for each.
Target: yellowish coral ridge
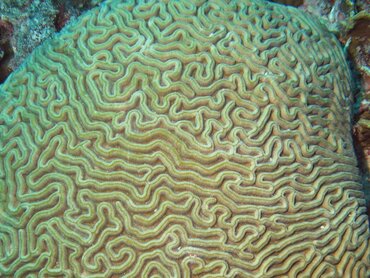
(183, 138)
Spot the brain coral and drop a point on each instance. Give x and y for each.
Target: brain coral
(182, 139)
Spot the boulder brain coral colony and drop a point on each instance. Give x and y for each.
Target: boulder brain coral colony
(178, 139)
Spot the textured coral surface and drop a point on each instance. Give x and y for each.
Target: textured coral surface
(182, 139)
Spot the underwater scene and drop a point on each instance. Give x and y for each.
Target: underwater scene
(184, 138)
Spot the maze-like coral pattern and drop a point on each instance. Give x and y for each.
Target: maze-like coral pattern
(182, 139)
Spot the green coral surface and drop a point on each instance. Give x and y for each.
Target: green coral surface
(182, 139)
